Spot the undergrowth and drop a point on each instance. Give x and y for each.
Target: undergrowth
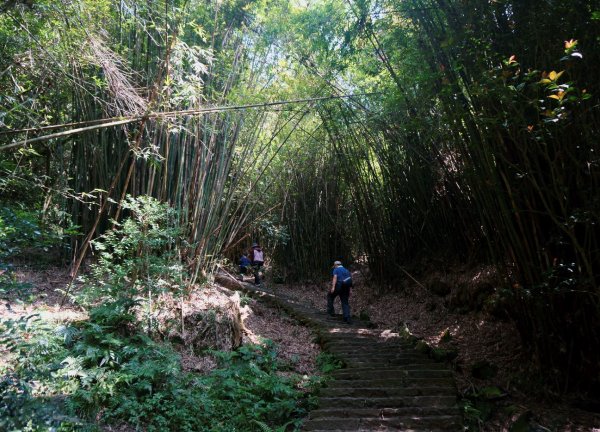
(110, 368)
(105, 370)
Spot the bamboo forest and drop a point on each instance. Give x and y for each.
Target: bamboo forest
(187, 187)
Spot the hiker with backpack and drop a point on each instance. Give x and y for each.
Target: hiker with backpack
(340, 286)
(257, 257)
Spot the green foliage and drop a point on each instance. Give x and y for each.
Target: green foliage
(29, 399)
(137, 256)
(106, 369)
(250, 388)
(484, 118)
(19, 178)
(32, 92)
(479, 405)
(245, 299)
(475, 413)
(266, 428)
(443, 354)
(491, 392)
(23, 230)
(327, 362)
(11, 287)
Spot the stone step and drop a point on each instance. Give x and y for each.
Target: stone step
(348, 350)
(354, 328)
(385, 391)
(386, 386)
(406, 382)
(398, 423)
(354, 336)
(387, 354)
(392, 360)
(370, 353)
(385, 412)
(372, 348)
(387, 402)
(381, 362)
(393, 373)
(386, 363)
(367, 343)
(382, 429)
(351, 333)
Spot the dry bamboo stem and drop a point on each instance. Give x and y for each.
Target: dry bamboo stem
(127, 120)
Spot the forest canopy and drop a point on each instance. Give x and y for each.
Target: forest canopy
(465, 131)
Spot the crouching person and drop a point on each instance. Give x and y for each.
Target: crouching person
(244, 265)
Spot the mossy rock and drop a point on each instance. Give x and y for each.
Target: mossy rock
(216, 327)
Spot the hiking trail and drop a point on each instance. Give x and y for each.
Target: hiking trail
(385, 383)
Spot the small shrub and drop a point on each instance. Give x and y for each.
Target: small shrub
(137, 257)
(327, 362)
(24, 233)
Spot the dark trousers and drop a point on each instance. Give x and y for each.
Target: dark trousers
(256, 265)
(344, 293)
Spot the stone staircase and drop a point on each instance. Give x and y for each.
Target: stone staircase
(385, 384)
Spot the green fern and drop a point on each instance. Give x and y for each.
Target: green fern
(263, 426)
